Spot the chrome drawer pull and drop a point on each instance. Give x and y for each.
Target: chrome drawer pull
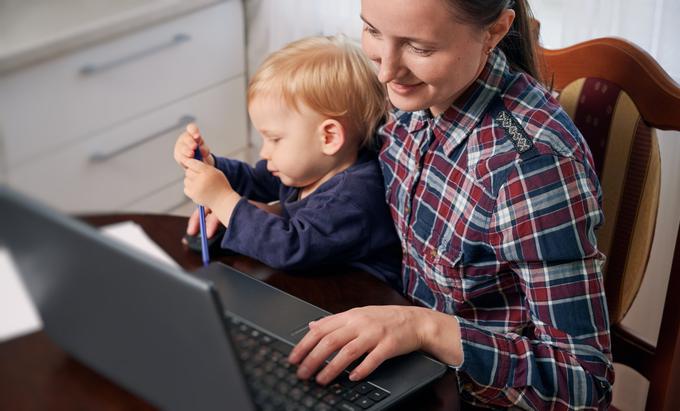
(93, 68)
(99, 157)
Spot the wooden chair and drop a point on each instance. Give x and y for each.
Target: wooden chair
(617, 94)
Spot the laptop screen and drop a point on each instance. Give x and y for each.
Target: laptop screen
(153, 329)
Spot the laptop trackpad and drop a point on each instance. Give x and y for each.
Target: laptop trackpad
(298, 333)
(268, 307)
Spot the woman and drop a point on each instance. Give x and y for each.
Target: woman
(494, 196)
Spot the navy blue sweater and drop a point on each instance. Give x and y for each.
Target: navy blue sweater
(345, 221)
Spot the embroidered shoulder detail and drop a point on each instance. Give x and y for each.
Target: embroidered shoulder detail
(517, 135)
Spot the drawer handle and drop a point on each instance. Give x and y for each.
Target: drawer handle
(93, 68)
(99, 157)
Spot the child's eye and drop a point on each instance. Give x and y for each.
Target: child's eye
(419, 51)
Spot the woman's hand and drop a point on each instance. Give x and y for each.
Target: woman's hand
(380, 332)
(212, 223)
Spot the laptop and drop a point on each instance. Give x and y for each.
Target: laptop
(214, 339)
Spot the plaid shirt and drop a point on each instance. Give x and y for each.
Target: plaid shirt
(496, 202)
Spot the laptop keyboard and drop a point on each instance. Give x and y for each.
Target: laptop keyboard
(275, 386)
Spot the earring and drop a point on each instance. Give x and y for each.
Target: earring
(489, 51)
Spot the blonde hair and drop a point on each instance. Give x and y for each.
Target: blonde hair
(331, 76)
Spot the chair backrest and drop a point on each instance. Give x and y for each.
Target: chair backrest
(617, 94)
(628, 162)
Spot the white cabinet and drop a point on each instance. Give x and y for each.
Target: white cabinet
(93, 130)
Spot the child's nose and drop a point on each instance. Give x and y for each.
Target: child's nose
(264, 152)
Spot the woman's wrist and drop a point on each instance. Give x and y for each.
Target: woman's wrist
(439, 334)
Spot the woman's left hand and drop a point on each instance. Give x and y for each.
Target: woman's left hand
(380, 332)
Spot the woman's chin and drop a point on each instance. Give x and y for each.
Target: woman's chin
(408, 103)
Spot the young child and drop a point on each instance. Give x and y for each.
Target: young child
(316, 104)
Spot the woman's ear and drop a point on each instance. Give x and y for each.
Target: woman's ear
(498, 29)
(332, 136)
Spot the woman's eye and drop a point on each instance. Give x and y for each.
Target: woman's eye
(419, 51)
(370, 30)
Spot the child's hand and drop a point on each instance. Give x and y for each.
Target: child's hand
(186, 146)
(205, 184)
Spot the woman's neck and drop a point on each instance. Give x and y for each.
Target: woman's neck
(463, 93)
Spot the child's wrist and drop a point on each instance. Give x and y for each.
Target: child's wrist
(223, 206)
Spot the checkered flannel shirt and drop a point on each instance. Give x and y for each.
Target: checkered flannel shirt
(496, 203)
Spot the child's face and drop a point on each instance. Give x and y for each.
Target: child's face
(292, 141)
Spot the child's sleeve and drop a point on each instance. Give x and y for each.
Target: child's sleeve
(254, 183)
(330, 229)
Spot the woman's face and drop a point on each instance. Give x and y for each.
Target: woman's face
(424, 56)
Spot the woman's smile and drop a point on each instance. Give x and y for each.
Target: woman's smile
(403, 89)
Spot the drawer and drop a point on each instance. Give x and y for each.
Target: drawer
(126, 163)
(58, 102)
(169, 198)
(160, 201)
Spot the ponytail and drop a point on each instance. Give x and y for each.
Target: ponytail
(519, 45)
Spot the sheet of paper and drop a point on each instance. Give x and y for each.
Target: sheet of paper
(133, 235)
(18, 315)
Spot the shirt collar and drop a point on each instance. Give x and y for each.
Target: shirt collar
(466, 112)
(413, 121)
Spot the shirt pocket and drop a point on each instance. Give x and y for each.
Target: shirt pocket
(442, 269)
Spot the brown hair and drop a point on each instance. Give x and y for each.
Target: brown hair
(330, 75)
(519, 45)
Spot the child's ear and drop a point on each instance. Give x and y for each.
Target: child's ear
(332, 135)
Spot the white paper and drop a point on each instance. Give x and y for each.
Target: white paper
(18, 315)
(133, 235)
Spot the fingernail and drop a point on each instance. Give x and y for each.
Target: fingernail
(353, 376)
(303, 372)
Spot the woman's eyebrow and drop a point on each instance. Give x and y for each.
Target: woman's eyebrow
(365, 21)
(406, 39)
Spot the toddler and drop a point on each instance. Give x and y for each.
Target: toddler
(316, 104)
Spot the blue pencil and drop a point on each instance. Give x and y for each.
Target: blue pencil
(201, 220)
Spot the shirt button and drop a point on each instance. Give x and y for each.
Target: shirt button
(433, 253)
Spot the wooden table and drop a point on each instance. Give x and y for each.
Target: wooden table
(35, 374)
